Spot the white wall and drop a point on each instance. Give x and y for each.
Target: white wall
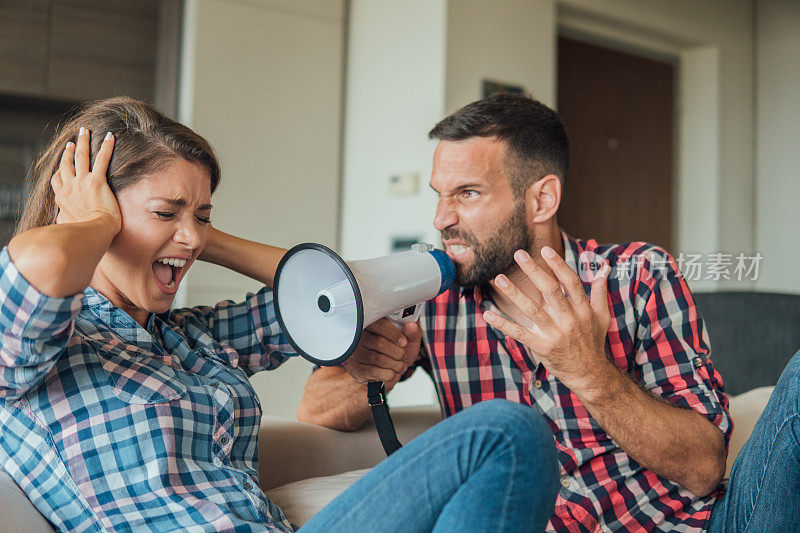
(261, 79)
(777, 143)
(395, 94)
(511, 41)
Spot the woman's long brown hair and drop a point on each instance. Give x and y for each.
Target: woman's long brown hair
(145, 141)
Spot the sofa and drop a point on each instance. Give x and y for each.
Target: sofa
(302, 467)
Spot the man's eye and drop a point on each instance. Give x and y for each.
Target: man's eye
(469, 193)
(204, 220)
(164, 214)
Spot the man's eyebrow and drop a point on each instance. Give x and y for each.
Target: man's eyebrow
(461, 187)
(180, 202)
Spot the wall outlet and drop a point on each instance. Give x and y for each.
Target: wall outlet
(403, 184)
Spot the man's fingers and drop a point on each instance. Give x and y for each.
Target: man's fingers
(512, 329)
(569, 278)
(379, 344)
(66, 167)
(414, 334)
(370, 357)
(412, 331)
(100, 166)
(599, 299)
(547, 284)
(386, 329)
(525, 303)
(82, 153)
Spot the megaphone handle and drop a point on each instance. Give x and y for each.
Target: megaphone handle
(376, 395)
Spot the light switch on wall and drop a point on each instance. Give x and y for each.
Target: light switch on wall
(404, 183)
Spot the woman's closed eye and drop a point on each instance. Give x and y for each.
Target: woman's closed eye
(169, 216)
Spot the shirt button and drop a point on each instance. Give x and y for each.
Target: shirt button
(248, 485)
(214, 383)
(537, 384)
(698, 362)
(565, 482)
(223, 440)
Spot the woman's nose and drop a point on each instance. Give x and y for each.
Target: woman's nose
(188, 235)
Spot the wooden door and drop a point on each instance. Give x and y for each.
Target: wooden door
(618, 110)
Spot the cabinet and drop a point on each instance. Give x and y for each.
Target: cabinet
(24, 46)
(78, 50)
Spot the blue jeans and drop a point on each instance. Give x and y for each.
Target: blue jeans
(491, 467)
(764, 489)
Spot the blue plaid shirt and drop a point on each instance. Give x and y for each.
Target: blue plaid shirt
(109, 426)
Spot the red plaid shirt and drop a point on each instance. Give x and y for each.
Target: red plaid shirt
(656, 335)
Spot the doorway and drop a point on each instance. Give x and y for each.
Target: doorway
(619, 112)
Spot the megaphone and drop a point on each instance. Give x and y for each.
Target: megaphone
(323, 302)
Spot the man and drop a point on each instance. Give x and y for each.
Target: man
(605, 341)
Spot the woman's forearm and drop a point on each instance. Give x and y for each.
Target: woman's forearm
(59, 260)
(252, 259)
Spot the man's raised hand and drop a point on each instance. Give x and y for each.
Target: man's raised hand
(569, 329)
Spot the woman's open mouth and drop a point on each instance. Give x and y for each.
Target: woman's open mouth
(168, 272)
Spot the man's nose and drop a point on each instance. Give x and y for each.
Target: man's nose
(445, 216)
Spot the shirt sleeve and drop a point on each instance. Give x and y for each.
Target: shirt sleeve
(34, 330)
(250, 328)
(672, 353)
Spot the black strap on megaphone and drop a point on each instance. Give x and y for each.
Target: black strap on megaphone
(376, 394)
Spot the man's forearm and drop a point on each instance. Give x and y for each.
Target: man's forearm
(252, 259)
(676, 443)
(334, 399)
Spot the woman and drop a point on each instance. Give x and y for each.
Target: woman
(117, 413)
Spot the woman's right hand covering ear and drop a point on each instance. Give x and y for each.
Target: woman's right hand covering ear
(82, 193)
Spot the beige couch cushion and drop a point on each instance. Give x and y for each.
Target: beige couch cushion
(745, 410)
(17, 513)
(303, 499)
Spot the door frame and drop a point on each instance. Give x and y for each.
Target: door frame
(696, 168)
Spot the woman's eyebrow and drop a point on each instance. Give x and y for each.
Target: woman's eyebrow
(180, 202)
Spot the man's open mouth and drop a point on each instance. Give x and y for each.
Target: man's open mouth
(456, 251)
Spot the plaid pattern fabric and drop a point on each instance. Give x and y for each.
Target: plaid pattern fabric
(656, 336)
(110, 426)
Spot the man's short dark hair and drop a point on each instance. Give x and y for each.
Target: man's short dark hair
(535, 137)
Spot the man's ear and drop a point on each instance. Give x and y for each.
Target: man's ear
(543, 198)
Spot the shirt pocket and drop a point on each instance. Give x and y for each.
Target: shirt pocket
(140, 378)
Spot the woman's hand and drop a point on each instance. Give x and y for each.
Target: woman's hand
(81, 193)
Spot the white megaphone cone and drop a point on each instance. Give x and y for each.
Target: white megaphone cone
(323, 303)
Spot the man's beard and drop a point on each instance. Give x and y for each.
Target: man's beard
(496, 255)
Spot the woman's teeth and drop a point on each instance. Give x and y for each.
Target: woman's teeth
(170, 284)
(458, 249)
(180, 263)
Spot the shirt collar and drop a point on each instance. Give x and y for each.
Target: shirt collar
(110, 314)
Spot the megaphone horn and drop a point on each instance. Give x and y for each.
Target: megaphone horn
(323, 302)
